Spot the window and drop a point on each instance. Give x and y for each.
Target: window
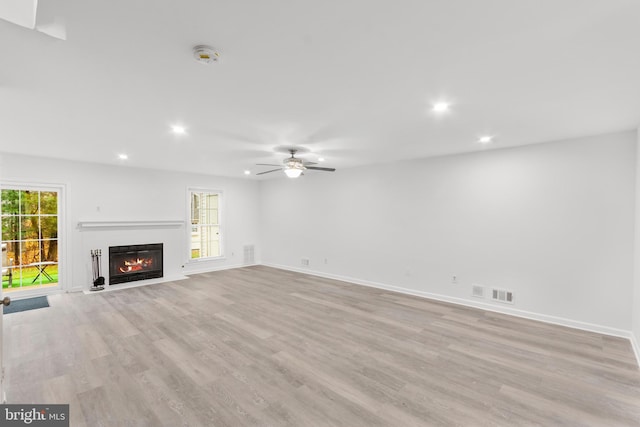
(205, 236)
(29, 238)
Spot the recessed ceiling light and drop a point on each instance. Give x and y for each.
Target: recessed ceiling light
(178, 130)
(123, 156)
(441, 107)
(247, 172)
(485, 139)
(321, 159)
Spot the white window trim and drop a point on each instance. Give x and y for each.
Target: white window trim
(63, 283)
(221, 211)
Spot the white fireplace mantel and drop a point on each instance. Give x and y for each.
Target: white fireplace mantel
(106, 225)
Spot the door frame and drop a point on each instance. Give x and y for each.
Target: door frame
(222, 254)
(61, 189)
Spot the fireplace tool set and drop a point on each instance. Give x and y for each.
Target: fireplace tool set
(96, 260)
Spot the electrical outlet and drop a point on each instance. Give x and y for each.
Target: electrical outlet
(305, 262)
(454, 279)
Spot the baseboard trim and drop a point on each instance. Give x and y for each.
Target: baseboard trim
(191, 271)
(575, 324)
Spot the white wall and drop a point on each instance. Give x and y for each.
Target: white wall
(112, 193)
(552, 222)
(636, 283)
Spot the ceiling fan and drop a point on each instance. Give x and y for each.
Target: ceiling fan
(294, 166)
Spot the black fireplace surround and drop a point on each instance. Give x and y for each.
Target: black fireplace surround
(134, 262)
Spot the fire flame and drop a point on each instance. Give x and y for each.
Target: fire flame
(136, 265)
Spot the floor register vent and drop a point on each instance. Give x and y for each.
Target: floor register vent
(249, 255)
(501, 295)
(477, 291)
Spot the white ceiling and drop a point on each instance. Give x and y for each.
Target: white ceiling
(350, 80)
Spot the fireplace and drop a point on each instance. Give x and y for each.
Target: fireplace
(134, 262)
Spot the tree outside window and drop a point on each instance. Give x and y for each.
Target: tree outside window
(30, 234)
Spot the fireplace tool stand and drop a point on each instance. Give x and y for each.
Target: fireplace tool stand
(96, 260)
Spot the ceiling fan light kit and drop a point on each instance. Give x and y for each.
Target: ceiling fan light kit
(294, 166)
(293, 172)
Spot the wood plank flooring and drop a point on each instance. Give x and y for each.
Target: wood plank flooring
(266, 347)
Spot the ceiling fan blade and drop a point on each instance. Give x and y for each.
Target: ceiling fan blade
(321, 169)
(310, 163)
(273, 170)
(266, 164)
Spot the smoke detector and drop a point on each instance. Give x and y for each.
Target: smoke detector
(205, 54)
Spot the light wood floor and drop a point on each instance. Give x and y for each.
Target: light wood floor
(260, 346)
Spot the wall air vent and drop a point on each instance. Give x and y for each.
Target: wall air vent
(501, 295)
(477, 291)
(249, 254)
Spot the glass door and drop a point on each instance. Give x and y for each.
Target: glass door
(29, 238)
